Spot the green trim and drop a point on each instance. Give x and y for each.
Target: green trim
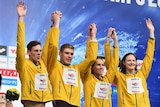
(122, 98)
(70, 94)
(91, 101)
(136, 100)
(42, 95)
(102, 102)
(59, 86)
(64, 64)
(30, 87)
(144, 98)
(151, 38)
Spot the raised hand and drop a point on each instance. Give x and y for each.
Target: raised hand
(92, 30)
(21, 9)
(56, 16)
(149, 24)
(110, 32)
(114, 34)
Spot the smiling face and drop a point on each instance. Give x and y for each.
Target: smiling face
(98, 67)
(35, 53)
(130, 63)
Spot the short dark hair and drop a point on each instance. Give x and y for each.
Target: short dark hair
(32, 43)
(66, 46)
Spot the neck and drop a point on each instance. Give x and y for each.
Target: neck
(35, 62)
(130, 71)
(98, 76)
(64, 63)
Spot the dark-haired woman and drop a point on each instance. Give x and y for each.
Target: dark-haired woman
(131, 83)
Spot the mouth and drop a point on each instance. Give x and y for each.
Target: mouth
(68, 60)
(38, 57)
(100, 71)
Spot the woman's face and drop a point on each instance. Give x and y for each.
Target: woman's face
(98, 67)
(130, 64)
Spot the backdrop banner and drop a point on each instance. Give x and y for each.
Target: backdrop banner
(127, 16)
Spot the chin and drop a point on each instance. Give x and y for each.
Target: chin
(68, 63)
(38, 60)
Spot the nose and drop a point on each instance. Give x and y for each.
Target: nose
(101, 66)
(39, 52)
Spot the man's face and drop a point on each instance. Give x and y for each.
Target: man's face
(66, 55)
(35, 53)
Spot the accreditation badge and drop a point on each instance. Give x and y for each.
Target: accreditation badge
(41, 81)
(101, 90)
(134, 85)
(70, 76)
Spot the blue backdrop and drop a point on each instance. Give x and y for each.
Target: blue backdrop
(127, 16)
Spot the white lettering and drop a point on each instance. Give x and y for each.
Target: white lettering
(151, 4)
(140, 2)
(122, 1)
(158, 2)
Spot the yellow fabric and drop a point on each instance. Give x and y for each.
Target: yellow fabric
(135, 100)
(27, 70)
(65, 92)
(89, 82)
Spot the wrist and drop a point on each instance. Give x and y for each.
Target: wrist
(108, 36)
(21, 18)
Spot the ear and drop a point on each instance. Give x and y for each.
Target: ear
(28, 52)
(60, 53)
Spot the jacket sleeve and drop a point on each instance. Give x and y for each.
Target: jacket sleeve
(50, 48)
(147, 62)
(91, 55)
(107, 54)
(20, 57)
(112, 67)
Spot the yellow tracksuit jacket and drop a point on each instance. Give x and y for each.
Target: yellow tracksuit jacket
(89, 82)
(126, 99)
(61, 90)
(28, 70)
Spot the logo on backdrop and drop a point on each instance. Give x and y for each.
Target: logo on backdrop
(3, 50)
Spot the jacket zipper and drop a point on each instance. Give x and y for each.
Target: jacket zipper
(91, 101)
(102, 102)
(136, 95)
(70, 94)
(122, 98)
(30, 87)
(59, 86)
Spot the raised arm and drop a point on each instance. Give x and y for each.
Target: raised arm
(21, 10)
(91, 49)
(50, 49)
(147, 62)
(108, 55)
(113, 64)
(150, 27)
(91, 31)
